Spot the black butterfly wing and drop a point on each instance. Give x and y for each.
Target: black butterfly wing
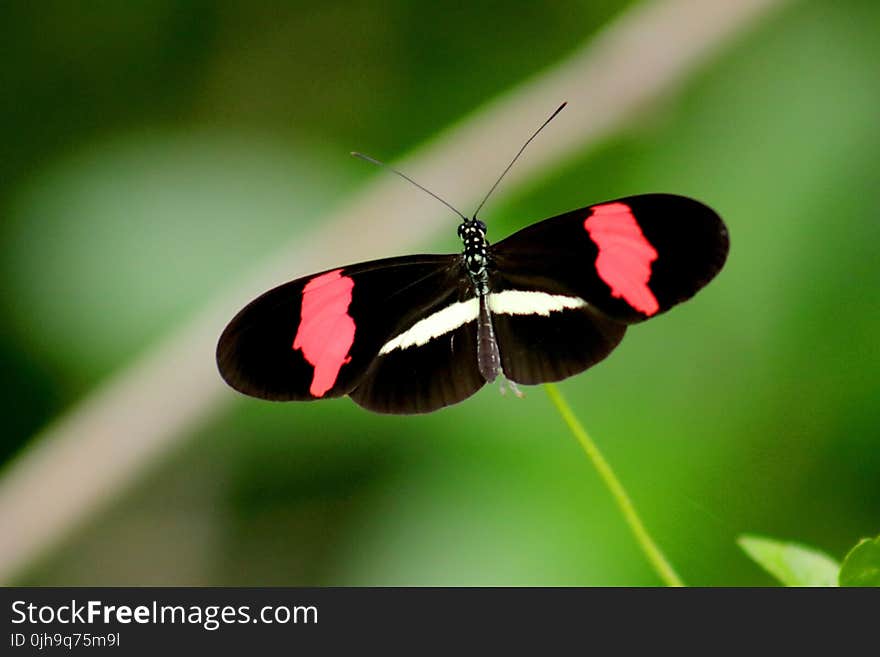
(630, 259)
(428, 365)
(316, 337)
(537, 348)
(564, 289)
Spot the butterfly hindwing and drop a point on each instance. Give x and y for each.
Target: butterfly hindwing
(548, 337)
(428, 365)
(630, 259)
(316, 337)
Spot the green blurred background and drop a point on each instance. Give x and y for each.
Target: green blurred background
(153, 150)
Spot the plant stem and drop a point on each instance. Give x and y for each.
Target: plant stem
(655, 557)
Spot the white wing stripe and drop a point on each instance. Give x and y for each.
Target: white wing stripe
(531, 302)
(433, 326)
(508, 302)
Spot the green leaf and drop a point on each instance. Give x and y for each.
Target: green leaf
(792, 564)
(861, 567)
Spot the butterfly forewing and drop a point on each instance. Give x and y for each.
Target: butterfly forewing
(317, 336)
(630, 259)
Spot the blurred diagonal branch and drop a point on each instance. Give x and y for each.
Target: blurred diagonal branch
(100, 445)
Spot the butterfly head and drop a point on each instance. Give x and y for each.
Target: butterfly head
(471, 229)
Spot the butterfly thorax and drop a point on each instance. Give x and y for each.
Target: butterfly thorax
(473, 235)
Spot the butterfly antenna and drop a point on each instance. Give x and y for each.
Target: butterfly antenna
(406, 177)
(515, 157)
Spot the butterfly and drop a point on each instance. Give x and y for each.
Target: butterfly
(416, 333)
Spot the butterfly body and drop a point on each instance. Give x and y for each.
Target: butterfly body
(416, 333)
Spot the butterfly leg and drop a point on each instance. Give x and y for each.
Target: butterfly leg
(507, 383)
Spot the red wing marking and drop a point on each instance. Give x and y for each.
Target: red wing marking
(625, 255)
(326, 330)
